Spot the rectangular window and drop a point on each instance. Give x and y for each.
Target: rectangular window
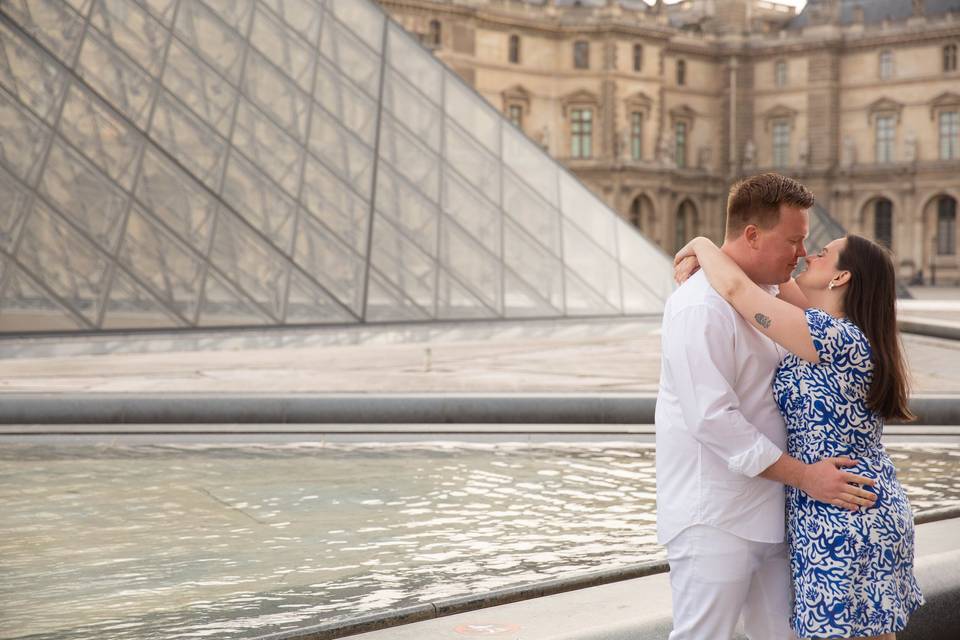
(950, 135)
(681, 72)
(885, 133)
(946, 226)
(886, 64)
(781, 143)
(581, 130)
(515, 114)
(581, 55)
(636, 135)
(637, 57)
(514, 49)
(780, 73)
(680, 130)
(950, 57)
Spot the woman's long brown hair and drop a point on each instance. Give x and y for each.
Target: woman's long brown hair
(871, 303)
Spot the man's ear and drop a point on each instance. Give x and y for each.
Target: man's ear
(751, 234)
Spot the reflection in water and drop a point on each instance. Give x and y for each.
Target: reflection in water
(228, 541)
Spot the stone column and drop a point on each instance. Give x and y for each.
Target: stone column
(823, 107)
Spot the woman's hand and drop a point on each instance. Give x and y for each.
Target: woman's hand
(685, 268)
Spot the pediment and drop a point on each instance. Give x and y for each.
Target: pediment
(580, 96)
(682, 112)
(884, 105)
(639, 100)
(946, 100)
(516, 92)
(779, 112)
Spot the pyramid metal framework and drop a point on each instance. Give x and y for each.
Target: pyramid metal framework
(212, 163)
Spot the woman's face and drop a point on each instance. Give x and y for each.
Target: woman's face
(822, 266)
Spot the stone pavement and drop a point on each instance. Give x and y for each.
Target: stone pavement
(536, 356)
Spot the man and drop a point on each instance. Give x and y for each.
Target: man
(721, 464)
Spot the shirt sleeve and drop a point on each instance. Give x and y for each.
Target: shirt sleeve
(699, 356)
(830, 338)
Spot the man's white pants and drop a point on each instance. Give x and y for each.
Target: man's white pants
(716, 576)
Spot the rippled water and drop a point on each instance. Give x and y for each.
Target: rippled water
(228, 541)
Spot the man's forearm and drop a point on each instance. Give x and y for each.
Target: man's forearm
(823, 480)
(786, 470)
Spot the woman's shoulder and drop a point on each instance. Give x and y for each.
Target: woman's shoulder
(832, 334)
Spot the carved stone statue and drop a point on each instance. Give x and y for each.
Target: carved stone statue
(910, 147)
(749, 153)
(918, 7)
(703, 156)
(804, 151)
(543, 138)
(848, 154)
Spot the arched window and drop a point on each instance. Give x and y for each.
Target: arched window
(883, 222)
(515, 49)
(435, 33)
(681, 72)
(946, 226)
(635, 211)
(686, 224)
(950, 57)
(637, 57)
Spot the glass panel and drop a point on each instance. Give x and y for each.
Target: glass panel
(644, 260)
(260, 201)
(348, 54)
(536, 216)
(16, 199)
(583, 300)
(101, 135)
(307, 303)
(283, 48)
(177, 199)
(638, 297)
(533, 263)
(161, 9)
(132, 30)
(303, 15)
(473, 162)
(413, 109)
(341, 151)
(64, 261)
(474, 267)
(473, 114)
(323, 256)
(414, 63)
(131, 307)
(530, 162)
(349, 105)
(385, 303)
(84, 195)
(80, 6)
(186, 138)
(407, 209)
(590, 215)
(25, 307)
(473, 212)
(455, 302)
(598, 270)
(363, 18)
(173, 272)
(268, 146)
(53, 23)
(214, 41)
(403, 264)
(30, 74)
(198, 86)
(22, 138)
(276, 95)
(225, 306)
(409, 157)
(336, 206)
(125, 86)
(520, 300)
(249, 262)
(236, 13)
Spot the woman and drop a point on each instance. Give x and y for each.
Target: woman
(842, 374)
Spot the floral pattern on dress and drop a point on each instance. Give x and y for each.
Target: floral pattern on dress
(852, 571)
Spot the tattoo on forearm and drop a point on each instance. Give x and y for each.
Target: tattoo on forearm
(762, 320)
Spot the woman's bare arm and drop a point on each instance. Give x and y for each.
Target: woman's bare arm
(790, 292)
(783, 322)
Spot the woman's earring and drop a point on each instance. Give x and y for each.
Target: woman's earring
(830, 286)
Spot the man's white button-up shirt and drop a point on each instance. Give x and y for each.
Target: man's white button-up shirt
(717, 423)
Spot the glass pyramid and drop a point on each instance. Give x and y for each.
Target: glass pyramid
(213, 163)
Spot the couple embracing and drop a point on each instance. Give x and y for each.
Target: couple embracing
(769, 382)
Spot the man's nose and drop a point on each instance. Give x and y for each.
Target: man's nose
(801, 251)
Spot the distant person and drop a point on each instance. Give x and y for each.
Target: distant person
(842, 375)
(721, 439)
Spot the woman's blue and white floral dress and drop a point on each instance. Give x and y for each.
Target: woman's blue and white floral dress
(852, 571)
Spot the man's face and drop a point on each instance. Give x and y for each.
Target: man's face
(781, 246)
